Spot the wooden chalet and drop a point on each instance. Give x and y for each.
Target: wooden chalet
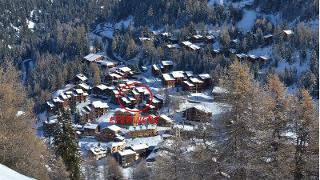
(126, 71)
(287, 33)
(219, 93)
(99, 108)
(178, 76)
(126, 157)
(252, 58)
(188, 74)
(262, 60)
(197, 83)
(197, 113)
(114, 77)
(110, 133)
(61, 102)
(241, 56)
(140, 149)
(51, 107)
(142, 131)
(85, 87)
(90, 129)
(93, 57)
(168, 80)
(267, 39)
(190, 46)
(209, 39)
(101, 90)
(216, 52)
(188, 86)
(206, 78)
(197, 39)
(167, 66)
(79, 95)
(116, 147)
(157, 101)
(107, 63)
(164, 120)
(79, 78)
(156, 69)
(173, 46)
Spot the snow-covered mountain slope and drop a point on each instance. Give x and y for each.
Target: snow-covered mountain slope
(9, 174)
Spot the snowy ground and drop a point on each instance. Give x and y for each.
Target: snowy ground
(248, 20)
(107, 29)
(9, 174)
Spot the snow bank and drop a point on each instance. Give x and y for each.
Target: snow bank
(248, 20)
(9, 174)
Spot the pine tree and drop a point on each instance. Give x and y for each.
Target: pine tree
(66, 145)
(306, 117)
(236, 150)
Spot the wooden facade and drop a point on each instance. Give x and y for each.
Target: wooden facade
(142, 131)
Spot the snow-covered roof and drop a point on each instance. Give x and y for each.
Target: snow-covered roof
(90, 126)
(50, 104)
(219, 90)
(139, 147)
(115, 75)
(167, 77)
(203, 108)
(177, 74)
(107, 63)
(189, 73)
(188, 83)
(79, 91)
(264, 57)
(210, 37)
(232, 50)
(216, 51)
(288, 32)
(126, 100)
(171, 46)
(92, 57)
(186, 43)
(167, 63)
(114, 144)
(126, 152)
(252, 56)
(242, 55)
(156, 67)
(99, 104)
(144, 39)
(195, 80)
(204, 76)
(84, 86)
(190, 45)
(57, 99)
(98, 151)
(198, 36)
(114, 128)
(102, 86)
(235, 41)
(165, 117)
(267, 36)
(125, 69)
(142, 127)
(81, 77)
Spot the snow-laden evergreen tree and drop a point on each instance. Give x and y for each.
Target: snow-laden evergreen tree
(66, 146)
